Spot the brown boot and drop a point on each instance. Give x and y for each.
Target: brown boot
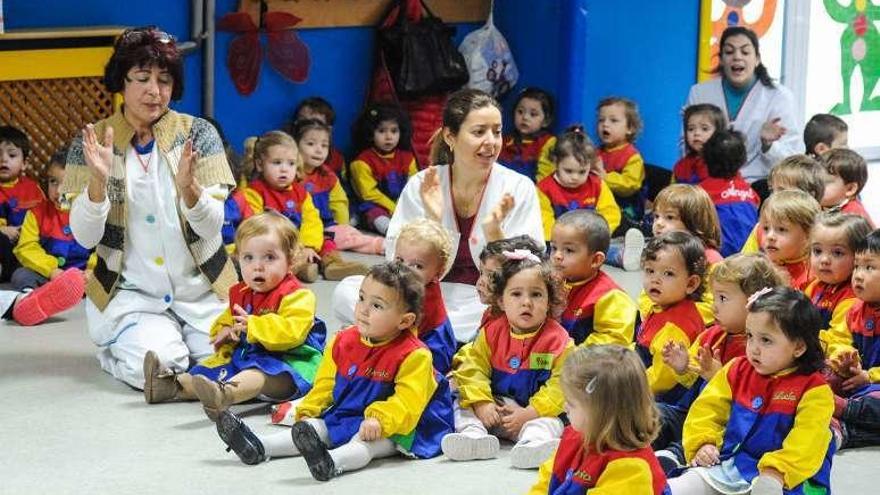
(160, 384)
(336, 268)
(307, 272)
(215, 397)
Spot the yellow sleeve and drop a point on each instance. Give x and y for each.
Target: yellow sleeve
(874, 374)
(804, 448)
(223, 354)
(224, 320)
(289, 327)
(630, 475)
(254, 200)
(413, 168)
(614, 320)
(546, 167)
(473, 374)
(548, 401)
(366, 186)
(661, 377)
(645, 305)
(320, 397)
(607, 207)
(751, 245)
(414, 386)
(704, 305)
(548, 216)
(837, 336)
(339, 204)
(311, 232)
(542, 486)
(708, 416)
(629, 180)
(28, 250)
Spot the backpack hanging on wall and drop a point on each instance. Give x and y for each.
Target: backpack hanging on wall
(489, 59)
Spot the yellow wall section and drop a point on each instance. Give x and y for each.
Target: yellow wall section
(56, 63)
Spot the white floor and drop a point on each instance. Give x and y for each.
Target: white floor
(67, 427)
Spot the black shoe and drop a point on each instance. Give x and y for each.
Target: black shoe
(239, 438)
(313, 450)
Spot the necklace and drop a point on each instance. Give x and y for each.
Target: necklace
(144, 164)
(145, 150)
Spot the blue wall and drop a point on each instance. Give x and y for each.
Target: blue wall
(580, 50)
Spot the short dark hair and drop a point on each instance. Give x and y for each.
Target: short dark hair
(574, 142)
(317, 105)
(542, 97)
(404, 281)
(688, 246)
(496, 248)
(871, 244)
(798, 319)
(724, 153)
(370, 119)
(715, 114)
(144, 47)
(16, 137)
(591, 226)
(848, 165)
(630, 110)
(822, 128)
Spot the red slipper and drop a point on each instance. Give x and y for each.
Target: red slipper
(52, 298)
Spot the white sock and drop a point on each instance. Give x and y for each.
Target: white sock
(357, 453)
(279, 444)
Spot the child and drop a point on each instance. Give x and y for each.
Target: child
(573, 185)
(846, 177)
(491, 259)
(606, 448)
(508, 379)
(375, 392)
(733, 280)
(825, 132)
(762, 422)
(267, 342)
(313, 141)
(384, 164)
(700, 123)
(425, 246)
(236, 208)
(527, 149)
(598, 311)
(317, 108)
(674, 265)
(18, 194)
(735, 200)
(786, 222)
(621, 166)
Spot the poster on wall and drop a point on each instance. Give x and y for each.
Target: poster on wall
(764, 17)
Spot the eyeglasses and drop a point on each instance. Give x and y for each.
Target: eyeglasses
(148, 34)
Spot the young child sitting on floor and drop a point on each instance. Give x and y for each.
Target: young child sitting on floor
(847, 174)
(18, 194)
(825, 132)
(786, 222)
(527, 149)
(621, 166)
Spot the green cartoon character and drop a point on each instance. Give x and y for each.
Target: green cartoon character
(859, 45)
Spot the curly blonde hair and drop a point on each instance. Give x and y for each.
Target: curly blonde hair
(427, 231)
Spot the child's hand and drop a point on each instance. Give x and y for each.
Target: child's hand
(224, 335)
(188, 157)
(707, 456)
(771, 131)
(432, 194)
(240, 316)
(492, 221)
(310, 255)
(513, 417)
(710, 362)
(11, 233)
(98, 154)
(675, 355)
(846, 363)
(370, 430)
(487, 413)
(858, 380)
(598, 167)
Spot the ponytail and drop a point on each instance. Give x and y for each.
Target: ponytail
(764, 76)
(249, 161)
(440, 152)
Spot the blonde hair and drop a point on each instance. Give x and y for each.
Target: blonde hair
(696, 210)
(431, 232)
(793, 206)
(256, 148)
(270, 222)
(609, 382)
(800, 172)
(750, 272)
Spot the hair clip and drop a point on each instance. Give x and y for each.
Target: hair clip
(591, 385)
(754, 297)
(521, 254)
(373, 112)
(577, 129)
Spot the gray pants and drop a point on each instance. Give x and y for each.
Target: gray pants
(26, 279)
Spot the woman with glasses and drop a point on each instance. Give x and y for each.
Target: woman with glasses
(149, 185)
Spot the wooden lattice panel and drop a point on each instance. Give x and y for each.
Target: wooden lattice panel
(52, 111)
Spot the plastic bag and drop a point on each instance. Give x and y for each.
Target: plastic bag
(489, 60)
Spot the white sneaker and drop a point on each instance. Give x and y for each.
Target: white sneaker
(530, 455)
(461, 447)
(633, 245)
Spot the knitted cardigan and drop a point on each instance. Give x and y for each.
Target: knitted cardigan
(170, 133)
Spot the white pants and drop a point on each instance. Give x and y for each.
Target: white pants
(178, 345)
(348, 457)
(463, 305)
(691, 483)
(535, 430)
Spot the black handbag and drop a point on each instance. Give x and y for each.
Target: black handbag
(421, 56)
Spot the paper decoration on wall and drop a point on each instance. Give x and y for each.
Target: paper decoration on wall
(859, 47)
(286, 53)
(764, 17)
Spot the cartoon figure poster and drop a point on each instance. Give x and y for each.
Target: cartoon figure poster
(764, 17)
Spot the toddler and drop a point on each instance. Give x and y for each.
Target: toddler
(527, 149)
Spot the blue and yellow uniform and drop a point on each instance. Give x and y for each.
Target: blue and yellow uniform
(393, 382)
(235, 210)
(523, 367)
(593, 195)
(860, 333)
(16, 198)
(435, 329)
(833, 302)
(327, 196)
(46, 242)
(680, 323)
(758, 422)
(295, 203)
(599, 312)
(624, 174)
(378, 179)
(575, 469)
(737, 206)
(529, 156)
(283, 336)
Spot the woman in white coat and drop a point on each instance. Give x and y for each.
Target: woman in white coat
(474, 197)
(764, 111)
